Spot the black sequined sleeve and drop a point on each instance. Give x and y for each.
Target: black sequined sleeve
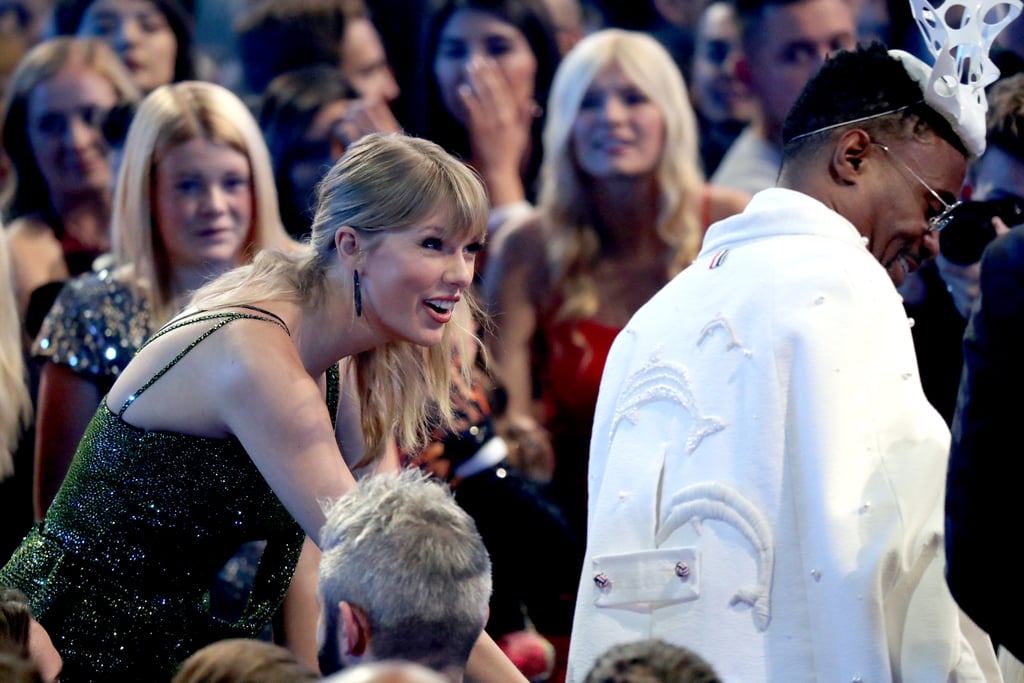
(95, 326)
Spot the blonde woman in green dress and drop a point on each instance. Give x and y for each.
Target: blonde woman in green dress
(223, 428)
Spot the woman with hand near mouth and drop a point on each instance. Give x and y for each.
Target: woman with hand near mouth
(195, 197)
(622, 208)
(228, 426)
(490, 65)
(57, 207)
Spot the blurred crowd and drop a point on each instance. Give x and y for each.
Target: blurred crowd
(608, 136)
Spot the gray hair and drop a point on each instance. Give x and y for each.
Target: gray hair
(650, 661)
(400, 548)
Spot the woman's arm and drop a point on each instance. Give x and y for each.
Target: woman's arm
(513, 285)
(279, 415)
(300, 610)
(277, 412)
(67, 402)
(488, 664)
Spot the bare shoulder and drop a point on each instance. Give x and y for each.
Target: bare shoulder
(265, 375)
(224, 365)
(522, 260)
(36, 257)
(260, 353)
(726, 201)
(526, 243)
(31, 236)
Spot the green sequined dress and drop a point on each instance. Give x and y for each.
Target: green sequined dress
(120, 569)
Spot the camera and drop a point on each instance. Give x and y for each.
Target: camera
(970, 227)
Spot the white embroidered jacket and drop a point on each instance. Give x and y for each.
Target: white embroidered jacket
(766, 475)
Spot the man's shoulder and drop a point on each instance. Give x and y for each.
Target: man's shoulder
(1006, 252)
(751, 164)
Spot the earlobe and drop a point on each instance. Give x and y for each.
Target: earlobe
(356, 628)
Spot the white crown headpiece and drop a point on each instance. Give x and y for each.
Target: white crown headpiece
(959, 35)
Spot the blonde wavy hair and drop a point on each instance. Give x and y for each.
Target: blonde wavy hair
(27, 192)
(15, 402)
(574, 243)
(384, 183)
(170, 116)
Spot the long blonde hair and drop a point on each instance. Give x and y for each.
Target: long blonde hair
(574, 243)
(382, 184)
(15, 402)
(170, 116)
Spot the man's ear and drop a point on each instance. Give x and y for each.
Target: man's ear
(848, 156)
(356, 628)
(347, 243)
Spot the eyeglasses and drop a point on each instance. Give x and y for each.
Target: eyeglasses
(935, 223)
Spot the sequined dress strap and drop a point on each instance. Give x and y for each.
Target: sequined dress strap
(222, 318)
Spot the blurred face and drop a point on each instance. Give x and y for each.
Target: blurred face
(718, 93)
(65, 115)
(900, 204)
(43, 654)
(471, 34)
(140, 35)
(320, 147)
(619, 131)
(793, 42)
(997, 174)
(203, 204)
(413, 278)
(364, 64)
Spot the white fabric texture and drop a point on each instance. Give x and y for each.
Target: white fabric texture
(763, 415)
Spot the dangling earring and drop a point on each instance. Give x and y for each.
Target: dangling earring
(357, 293)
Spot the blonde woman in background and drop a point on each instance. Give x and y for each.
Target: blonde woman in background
(15, 418)
(195, 197)
(58, 202)
(623, 207)
(15, 404)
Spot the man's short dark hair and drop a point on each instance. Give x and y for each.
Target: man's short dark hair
(856, 84)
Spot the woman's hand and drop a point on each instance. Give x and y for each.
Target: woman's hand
(362, 117)
(499, 129)
(529, 447)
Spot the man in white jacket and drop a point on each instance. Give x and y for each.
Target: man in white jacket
(766, 474)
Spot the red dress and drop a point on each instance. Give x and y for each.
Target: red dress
(572, 362)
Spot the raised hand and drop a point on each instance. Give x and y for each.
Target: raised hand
(363, 116)
(499, 129)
